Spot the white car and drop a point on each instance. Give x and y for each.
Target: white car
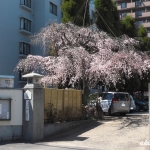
(132, 104)
(115, 102)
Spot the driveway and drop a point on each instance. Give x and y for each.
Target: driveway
(112, 133)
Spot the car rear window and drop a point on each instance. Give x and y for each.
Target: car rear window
(107, 96)
(121, 96)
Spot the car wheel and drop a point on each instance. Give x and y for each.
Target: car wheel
(122, 114)
(137, 108)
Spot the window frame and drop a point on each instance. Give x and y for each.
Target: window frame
(27, 3)
(123, 15)
(9, 107)
(139, 13)
(20, 73)
(25, 24)
(53, 8)
(138, 3)
(125, 5)
(24, 49)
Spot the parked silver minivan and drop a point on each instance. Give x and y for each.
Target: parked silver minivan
(115, 102)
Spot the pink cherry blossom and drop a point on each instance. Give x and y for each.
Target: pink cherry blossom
(84, 53)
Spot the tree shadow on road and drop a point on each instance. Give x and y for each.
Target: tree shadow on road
(73, 134)
(129, 121)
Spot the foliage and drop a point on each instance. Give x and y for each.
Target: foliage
(74, 10)
(144, 39)
(142, 31)
(66, 115)
(145, 43)
(87, 55)
(107, 17)
(128, 26)
(93, 96)
(51, 113)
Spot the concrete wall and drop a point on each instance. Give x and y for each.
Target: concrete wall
(51, 129)
(10, 36)
(12, 129)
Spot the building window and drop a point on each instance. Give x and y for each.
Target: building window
(117, 3)
(148, 20)
(139, 23)
(123, 15)
(148, 30)
(21, 73)
(123, 5)
(53, 8)
(26, 3)
(138, 3)
(25, 24)
(139, 13)
(24, 48)
(5, 109)
(148, 9)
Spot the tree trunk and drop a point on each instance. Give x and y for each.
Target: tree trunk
(99, 110)
(142, 91)
(86, 95)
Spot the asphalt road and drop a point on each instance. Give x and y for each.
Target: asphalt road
(111, 133)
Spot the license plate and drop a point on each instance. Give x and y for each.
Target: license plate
(123, 105)
(131, 107)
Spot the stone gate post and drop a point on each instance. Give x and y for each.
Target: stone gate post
(33, 108)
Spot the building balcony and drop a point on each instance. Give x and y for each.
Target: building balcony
(26, 4)
(146, 24)
(26, 7)
(144, 15)
(129, 6)
(22, 56)
(26, 32)
(131, 14)
(148, 34)
(145, 4)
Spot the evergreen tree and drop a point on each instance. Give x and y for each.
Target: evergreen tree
(128, 26)
(74, 11)
(142, 31)
(107, 17)
(144, 39)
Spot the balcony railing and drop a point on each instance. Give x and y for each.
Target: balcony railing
(148, 34)
(143, 15)
(129, 5)
(146, 24)
(129, 14)
(145, 4)
(134, 5)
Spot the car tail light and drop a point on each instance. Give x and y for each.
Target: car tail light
(114, 100)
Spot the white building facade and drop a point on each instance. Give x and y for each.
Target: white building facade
(19, 20)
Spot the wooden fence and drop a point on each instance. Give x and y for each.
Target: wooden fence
(62, 99)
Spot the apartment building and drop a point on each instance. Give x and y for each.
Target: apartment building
(18, 20)
(138, 9)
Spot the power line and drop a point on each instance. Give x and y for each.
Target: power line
(105, 23)
(85, 13)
